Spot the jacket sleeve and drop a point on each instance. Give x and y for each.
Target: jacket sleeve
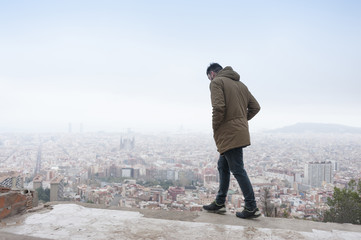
(218, 104)
(253, 107)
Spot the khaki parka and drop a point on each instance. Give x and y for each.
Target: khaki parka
(232, 106)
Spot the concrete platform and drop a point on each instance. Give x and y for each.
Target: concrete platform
(83, 221)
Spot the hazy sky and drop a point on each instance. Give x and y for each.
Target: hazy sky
(113, 65)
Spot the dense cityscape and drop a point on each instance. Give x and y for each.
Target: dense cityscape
(292, 174)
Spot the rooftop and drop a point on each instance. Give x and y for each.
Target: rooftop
(86, 221)
(57, 179)
(38, 178)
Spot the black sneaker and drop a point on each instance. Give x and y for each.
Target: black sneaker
(214, 207)
(246, 213)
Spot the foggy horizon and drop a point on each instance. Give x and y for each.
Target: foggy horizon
(76, 128)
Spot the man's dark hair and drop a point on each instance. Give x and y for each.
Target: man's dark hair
(214, 67)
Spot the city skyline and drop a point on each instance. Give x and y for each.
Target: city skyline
(141, 65)
(179, 171)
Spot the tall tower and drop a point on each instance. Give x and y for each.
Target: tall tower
(127, 143)
(57, 189)
(318, 172)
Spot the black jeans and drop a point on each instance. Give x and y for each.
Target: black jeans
(232, 161)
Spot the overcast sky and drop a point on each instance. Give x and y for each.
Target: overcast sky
(114, 65)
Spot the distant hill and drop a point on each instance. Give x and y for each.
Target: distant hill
(317, 128)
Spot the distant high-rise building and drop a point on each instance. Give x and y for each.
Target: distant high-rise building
(127, 172)
(113, 171)
(318, 172)
(69, 127)
(172, 174)
(50, 174)
(136, 173)
(335, 165)
(57, 189)
(150, 173)
(127, 144)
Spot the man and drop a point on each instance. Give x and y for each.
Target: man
(233, 106)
